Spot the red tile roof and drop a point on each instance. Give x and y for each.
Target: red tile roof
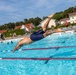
(2, 31)
(29, 26)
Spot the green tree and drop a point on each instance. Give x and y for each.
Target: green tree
(11, 25)
(37, 21)
(25, 20)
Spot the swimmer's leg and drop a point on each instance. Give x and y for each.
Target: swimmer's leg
(47, 22)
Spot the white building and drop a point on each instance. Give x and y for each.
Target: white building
(28, 27)
(63, 21)
(52, 23)
(72, 17)
(22, 27)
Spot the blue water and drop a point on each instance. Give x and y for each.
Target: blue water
(38, 67)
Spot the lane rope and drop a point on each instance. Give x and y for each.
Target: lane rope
(9, 58)
(55, 47)
(48, 48)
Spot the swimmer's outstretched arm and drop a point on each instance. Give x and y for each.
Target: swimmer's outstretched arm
(17, 46)
(22, 42)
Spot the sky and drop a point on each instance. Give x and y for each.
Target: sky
(18, 10)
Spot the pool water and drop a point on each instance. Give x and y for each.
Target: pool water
(40, 67)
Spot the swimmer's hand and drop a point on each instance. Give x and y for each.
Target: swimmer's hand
(13, 51)
(51, 16)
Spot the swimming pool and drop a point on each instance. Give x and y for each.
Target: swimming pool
(40, 67)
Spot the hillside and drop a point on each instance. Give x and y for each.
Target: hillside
(64, 14)
(36, 21)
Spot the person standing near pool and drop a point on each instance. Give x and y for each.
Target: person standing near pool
(35, 36)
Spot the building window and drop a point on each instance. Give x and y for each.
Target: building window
(73, 17)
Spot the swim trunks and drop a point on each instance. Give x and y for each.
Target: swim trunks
(37, 35)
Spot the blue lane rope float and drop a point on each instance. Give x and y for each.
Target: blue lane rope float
(6, 51)
(16, 58)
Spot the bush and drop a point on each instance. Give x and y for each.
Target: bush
(17, 31)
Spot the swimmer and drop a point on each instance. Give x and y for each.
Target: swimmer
(35, 36)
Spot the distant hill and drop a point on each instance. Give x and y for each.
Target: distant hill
(36, 21)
